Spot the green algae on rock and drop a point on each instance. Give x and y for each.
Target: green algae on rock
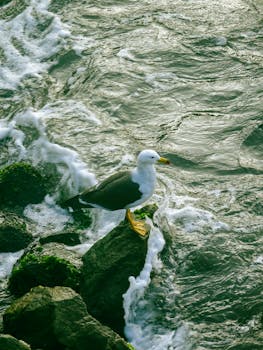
(49, 265)
(14, 235)
(57, 318)
(21, 184)
(146, 211)
(7, 342)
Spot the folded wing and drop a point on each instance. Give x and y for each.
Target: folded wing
(116, 192)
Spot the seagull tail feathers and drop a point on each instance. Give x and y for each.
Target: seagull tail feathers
(74, 203)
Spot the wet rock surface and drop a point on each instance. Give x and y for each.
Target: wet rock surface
(105, 272)
(57, 318)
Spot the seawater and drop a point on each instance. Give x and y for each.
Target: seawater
(85, 85)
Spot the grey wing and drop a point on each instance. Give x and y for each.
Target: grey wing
(114, 193)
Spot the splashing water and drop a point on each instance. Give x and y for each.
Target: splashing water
(26, 53)
(134, 295)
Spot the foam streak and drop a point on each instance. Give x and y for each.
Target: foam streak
(138, 285)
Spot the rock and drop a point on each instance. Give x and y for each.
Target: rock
(21, 184)
(49, 265)
(7, 342)
(106, 269)
(13, 233)
(57, 318)
(70, 238)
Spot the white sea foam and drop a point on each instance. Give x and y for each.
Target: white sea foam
(139, 316)
(135, 293)
(195, 219)
(26, 49)
(4, 132)
(103, 222)
(126, 54)
(221, 41)
(8, 130)
(75, 175)
(259, 259)
(161, 81)
(47, 216)
(82, 43)
(7, 261)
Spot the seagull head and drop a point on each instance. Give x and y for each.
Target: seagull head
(149, 156)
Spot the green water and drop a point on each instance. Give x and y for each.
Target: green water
(184, 78)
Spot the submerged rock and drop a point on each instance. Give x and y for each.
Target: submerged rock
(49, 265)
(106, 269)
(70, 238)
(21, 184)
(7, 342)
(13, 233)
(57, 318)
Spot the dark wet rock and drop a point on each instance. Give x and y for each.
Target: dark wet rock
(14, 235)
(57, 318)
(48, 265)
(7, 342)
(70, 238)
(106, 269)
(21, 184)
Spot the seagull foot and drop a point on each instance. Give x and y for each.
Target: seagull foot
(138, 226)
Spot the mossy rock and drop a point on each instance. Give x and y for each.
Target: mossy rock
(14, 235)
(147, 211)
(21, 184)
(49, 265)
(57, 318)
(7, 342)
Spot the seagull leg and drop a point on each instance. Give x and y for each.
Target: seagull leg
(138, 226)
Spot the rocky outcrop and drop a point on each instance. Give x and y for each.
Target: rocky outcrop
(7, 342)
(50, 315)
(14, 235)
(21, 184)
(48, 265)
(106, 269)
(56, 318)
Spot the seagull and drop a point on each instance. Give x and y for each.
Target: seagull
(123, 190)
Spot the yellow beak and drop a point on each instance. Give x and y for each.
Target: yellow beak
(164, 160)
